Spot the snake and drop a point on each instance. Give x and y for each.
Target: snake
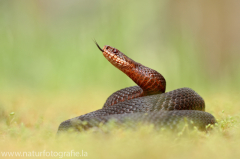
(146, 103)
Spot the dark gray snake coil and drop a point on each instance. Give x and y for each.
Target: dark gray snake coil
(145, 103)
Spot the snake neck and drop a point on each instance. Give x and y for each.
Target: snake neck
(148, 79)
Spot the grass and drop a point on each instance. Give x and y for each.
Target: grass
(29, 122)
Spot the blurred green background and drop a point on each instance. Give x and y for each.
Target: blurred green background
(47, 45)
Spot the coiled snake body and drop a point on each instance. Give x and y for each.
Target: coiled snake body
(145, 103)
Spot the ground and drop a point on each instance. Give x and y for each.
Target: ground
(29, 122)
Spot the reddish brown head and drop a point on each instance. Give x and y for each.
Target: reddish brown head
(116, 57)
(148, 79)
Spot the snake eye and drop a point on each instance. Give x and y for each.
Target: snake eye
(115, 50)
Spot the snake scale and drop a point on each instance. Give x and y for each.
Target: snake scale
(145, 103)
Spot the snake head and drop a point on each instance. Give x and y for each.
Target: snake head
(114, 56)
(148, 79)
